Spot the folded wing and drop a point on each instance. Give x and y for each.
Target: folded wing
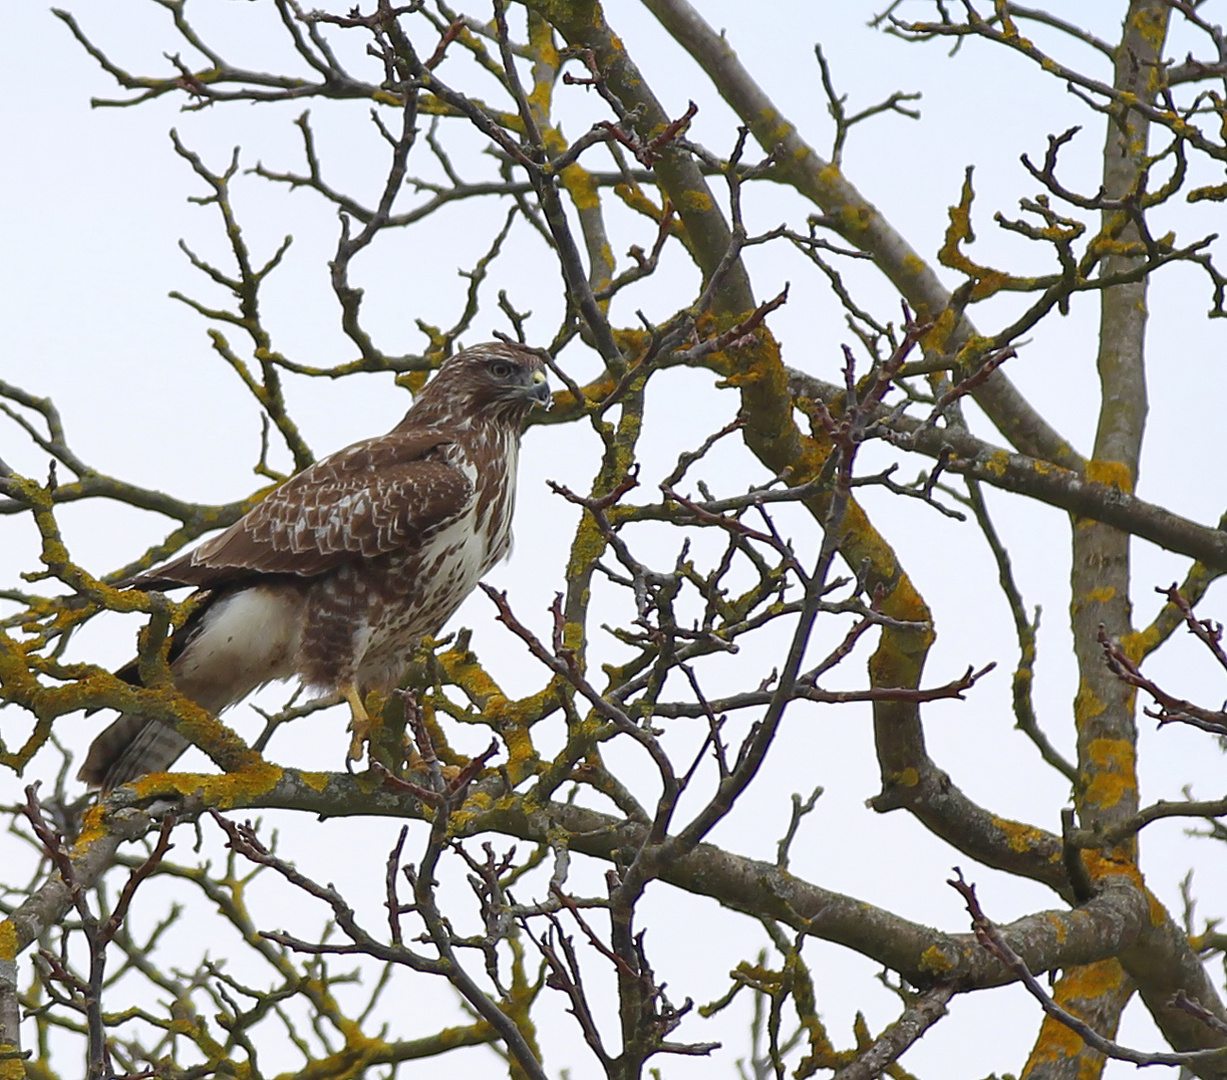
(377, 496)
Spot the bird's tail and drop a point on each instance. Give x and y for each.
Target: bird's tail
(234, 642)
(130, 747)
(133, 745)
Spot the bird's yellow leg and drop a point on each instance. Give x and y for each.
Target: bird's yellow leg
(359, 723)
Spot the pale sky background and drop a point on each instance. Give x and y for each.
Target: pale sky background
(96, 202)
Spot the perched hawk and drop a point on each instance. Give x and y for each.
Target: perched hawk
(338, 572)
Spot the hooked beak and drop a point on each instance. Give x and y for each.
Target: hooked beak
(539, 390)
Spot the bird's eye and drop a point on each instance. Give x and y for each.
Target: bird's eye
(500, 369)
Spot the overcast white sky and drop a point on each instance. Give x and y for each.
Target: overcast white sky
(96, 202)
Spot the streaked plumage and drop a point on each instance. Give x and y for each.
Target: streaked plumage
(339, 572)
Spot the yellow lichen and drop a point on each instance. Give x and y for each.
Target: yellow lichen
(1138, 644)
(1110, 765)
(522, 755)
(581, 187)
(316, 781)
(1019, 837)
(935, 961)
(937, 337)
(1087, 705)
(223, 792)
(997, 464)
(1114, 754)
(829, 174)
(1115, 474)
(93, 829)
(1056, 1043)
(854, 218)
(8, 940)
(698, 202)
(1090, 981)
(1158, 913)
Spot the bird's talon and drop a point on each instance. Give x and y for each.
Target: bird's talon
(359, 724)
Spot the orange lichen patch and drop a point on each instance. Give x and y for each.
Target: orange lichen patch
(1111, 765)
(477, 805)
(1117, 755)
(1078, 990)
(987, 281)
(937, 337)
(1102, 246)
(479, 802)
(586, 548)
(634, 197)
(1102, 594)
(581, 187)
(11, 1068)
(1086, 704)
(633, 343)
(960, 224)
(935, 961)
(904, 602)
(1114, 474)
(1057, 1042)
(1019, 837)
(1089, 982)
(93, 829)
(522, 754)
(1101, 864)
(898, 659)
(1059, 927)
(497, 708)
(908, 777)
(239, 788)
(225, 792)
(1140, 642)
(755, 364)
(462, 667)
(747, 376)
(1158, 913)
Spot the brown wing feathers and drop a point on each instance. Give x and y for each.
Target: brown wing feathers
(374, 497)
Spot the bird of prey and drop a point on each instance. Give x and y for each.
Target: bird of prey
(337, 574)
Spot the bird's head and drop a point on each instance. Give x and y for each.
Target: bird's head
(496, 381)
